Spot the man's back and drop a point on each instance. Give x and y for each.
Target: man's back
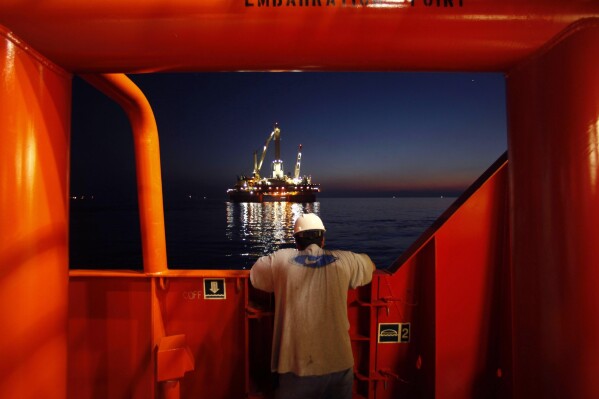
(311, 326)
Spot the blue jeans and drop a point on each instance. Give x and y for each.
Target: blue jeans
(329, 386)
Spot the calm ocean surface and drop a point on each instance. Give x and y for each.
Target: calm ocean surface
(211, 234)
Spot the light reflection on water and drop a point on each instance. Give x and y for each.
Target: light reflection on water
(264, 227)
(214, 234)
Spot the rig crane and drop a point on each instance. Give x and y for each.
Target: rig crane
(277, 163)
(279, 187)
(296, 173)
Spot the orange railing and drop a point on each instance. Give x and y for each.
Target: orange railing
(147, 161)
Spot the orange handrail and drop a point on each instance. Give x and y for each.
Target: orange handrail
(147, 162)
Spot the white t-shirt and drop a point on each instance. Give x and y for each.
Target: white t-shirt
(311, 327)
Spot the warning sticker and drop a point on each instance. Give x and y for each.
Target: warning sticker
(394, 333)
(214, 288)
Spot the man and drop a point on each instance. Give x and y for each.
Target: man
(311, 348)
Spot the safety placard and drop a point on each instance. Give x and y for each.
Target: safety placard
(214, 288)
(394, 333)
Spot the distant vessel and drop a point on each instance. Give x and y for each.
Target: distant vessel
(279, 187)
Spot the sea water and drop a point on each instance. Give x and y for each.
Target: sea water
(215, 234)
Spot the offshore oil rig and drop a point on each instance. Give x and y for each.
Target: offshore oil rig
(278, 187)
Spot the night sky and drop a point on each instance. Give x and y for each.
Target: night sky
(363, 134)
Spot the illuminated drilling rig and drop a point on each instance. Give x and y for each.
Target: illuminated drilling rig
(278, 187)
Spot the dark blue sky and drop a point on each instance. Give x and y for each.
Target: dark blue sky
(363, 134)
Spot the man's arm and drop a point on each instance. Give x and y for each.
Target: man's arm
(362, 271)
(261, 274)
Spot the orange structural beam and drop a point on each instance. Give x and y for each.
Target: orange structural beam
(147, 161)
(553, 120)
(35, 103)
(192, 35)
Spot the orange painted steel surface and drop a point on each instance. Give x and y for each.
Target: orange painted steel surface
(111, 342)
(171, 390)
(34, 161)
(215, 333)
(472, 295)
(192, 35)
(554, 172)
(452, 287)
(147, 161)
(110, 338)
(174, 358)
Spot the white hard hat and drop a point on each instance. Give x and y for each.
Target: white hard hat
(308, 221)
